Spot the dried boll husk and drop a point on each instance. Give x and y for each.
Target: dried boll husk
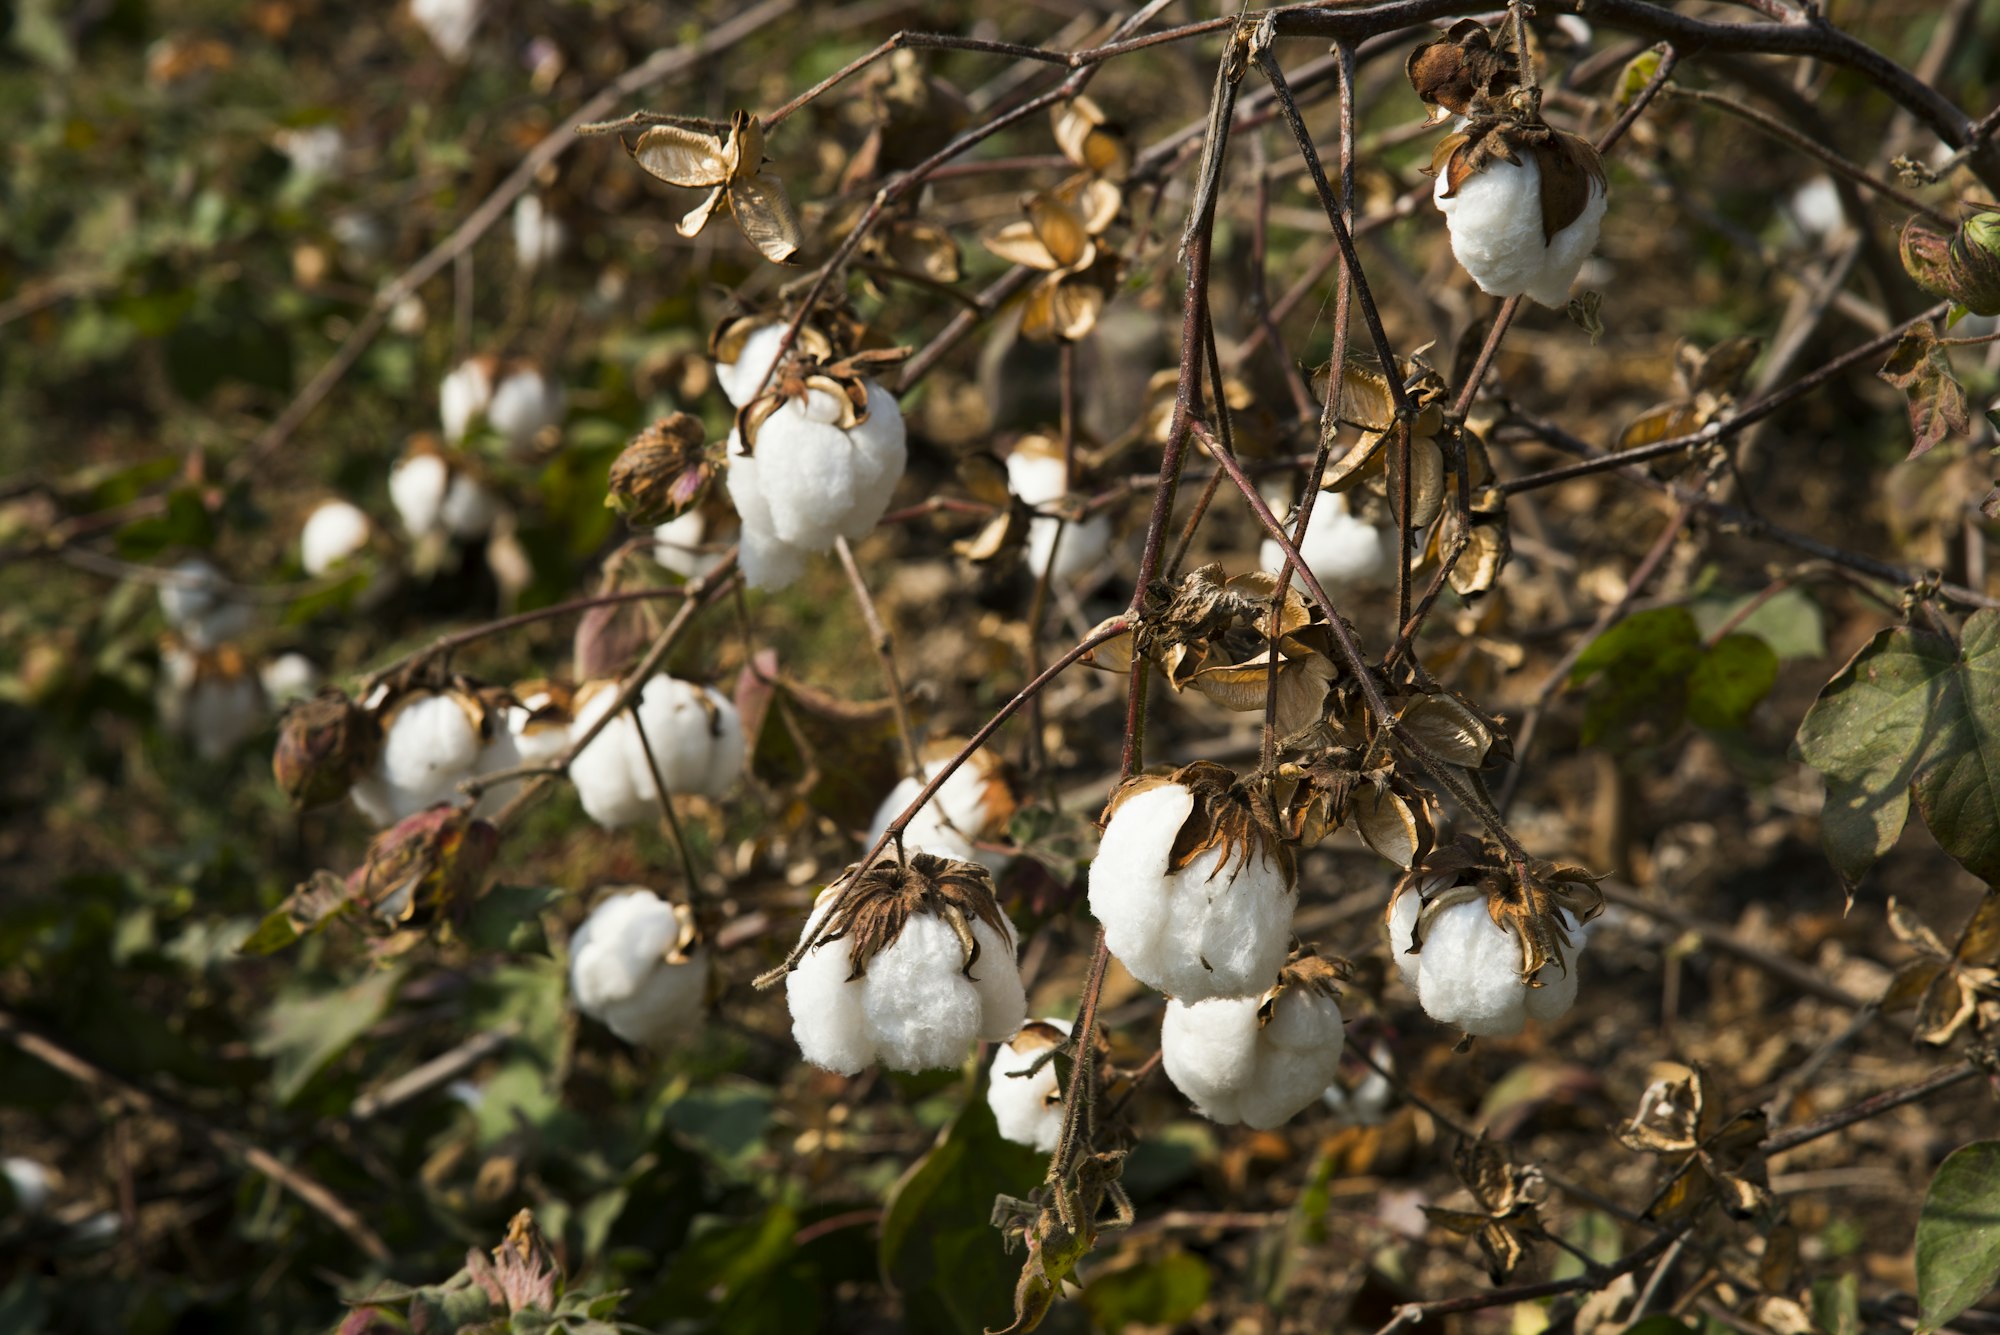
(324, 745)
(1194, 884)
(1462, 72)
(663, 473)
(433, 863)
(911, 963)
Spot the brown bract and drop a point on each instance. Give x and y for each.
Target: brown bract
(1945, 985)
(701, 155)
(1707, 1156)
(845, 380)
(1227, 813)
(1506, 1197)
(1462, 72)
(1306, 971)
(431, 864)
(1521, 898)
(1569, 164)
(1371, 465)
(870, 910)
(1706, 385)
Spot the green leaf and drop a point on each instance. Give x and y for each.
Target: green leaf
(1910, 714)
(186, 523)
(508, 917)
(1653, 669)
(939, 1248)
(1789, 621)
(1638, 72)
(303, 1033)
(1958, 1234)
(1163, 1291)
(1836, 1305)
(1732, 676)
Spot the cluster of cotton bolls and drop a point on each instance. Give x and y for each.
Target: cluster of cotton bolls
(689, 736)
(1038, 475)
(438, 497)
(517, 400)
(210, 690)
(635, 965)
(818, 466)
(433, 739)
(1468, 970)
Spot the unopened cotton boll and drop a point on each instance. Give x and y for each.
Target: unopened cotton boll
(449, 24)
(524, 403)
(464, 396)
(333, 532)
(1495, 218)
(633, 965)
(1218, 926)
(538, 233)
(972, 806)
(918, 1002)
(1468, 973)
(1028, 1109)
(1342, 550)
(197, 601)
(742, 378)
(432, 740)
(1242, 1059)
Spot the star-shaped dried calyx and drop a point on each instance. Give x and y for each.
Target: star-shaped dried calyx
(1527, 899)
(1061, 236)
(663, 473)
(727, 161)
(1464, 72)
(1708, 1156)
(845, 381)
(1228, 813)
(826, 335)
(872, 908)
(1506, 1196)
(1706, 385)
(1307, 971)
(1945, 985)
(1089, 140)
(1569, 164)
(1370, 463)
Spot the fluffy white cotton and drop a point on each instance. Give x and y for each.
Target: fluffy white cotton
(696, 740)
(32, 1183)
(469, 509)
(1027, 1108)
(1469, 971)
(1208, 930)
(1815, 207)
(464, 396)
(314, 152)
(538, 233)
(1079, 548)
(417, 486)
(1234, 1070)
(537, 741)
(449, 24)
(523, 404)
(198, 602)
(951, 821)
(1496, 232)
(768, 561)
(432, 742)
(914, 1009)
(619, 972)
(741, 378)
(1342, 551)
(810, 481)
(677, 545)
(289, 677)
(216, 707)
(333, 532)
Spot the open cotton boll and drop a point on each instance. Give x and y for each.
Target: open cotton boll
(1495, 218)
(1218, 927)
(431, 741)
(973, 804)
(1342, 550)
(32, 1183)
(538, 234)
(1209, 1051)
(1037, 474)
(741, 378)
(333, 532)
(212, 698)
(289, 677)
(417, 486)
(820, 481)
(677, 546)
(603, 772)
(1237, 1065)
(196, 600)
(464, 395)
(768, 561)
(1028, 1109)
(525, 402)
(1469, 973)
(469, 509)
(696, 739)
(449, 24)
(632, 966)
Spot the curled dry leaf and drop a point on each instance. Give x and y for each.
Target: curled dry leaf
(1506, 1197)
(1463, 72)
(729, 165)
(1945, 984)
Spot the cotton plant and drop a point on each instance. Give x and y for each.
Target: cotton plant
(333, 532)
(1023, 1085)
(1257, 1060)
(517, 400)
(690, 736)
(1341, 549)
(212, 697)
(968, 814)
(909, 963)
(1038, 475)
(1193, 884)
(637, 967)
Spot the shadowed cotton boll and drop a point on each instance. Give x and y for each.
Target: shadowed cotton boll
(1469, 971)
(634, 966)
(464, 396)
(1342, 551)
(538, 234)
(212, 698)
(740, 379)
(1028, 1108)
(1037, 474)
(1239, 1059)
(431, 741)
(973, 806)
(289, 677)
(1495, 218)
(449, 24)
(334, 531)
(524, 403)
(197, 602)
(695, 737)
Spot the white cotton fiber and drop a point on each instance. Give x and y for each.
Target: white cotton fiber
(1469, 971)
(1027, 1108)
(741, 378)
(417, 486)
(523, 404)
(1341, 550)
(951, 822)
(464, 396)
(619, 972)
(333, 532)
(432, 742)
(1495, 219)
(1235, 1070)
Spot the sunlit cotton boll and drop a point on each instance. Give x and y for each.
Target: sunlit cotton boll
(333, 532)
(741, 378)
(524, 403)
(1041, 478)
(32, 1183)
(1341, 550)
(431, 496)
(1218, 927)
(914, 1009)
(1495, 218)
(464, 396)
(629, 969)
(1028, 1108)
(965, 809)
(677, 545)
(538, 234)
(431, 742)
(197, 601)
(768, 561)
(695, 739)
(449, 24)
(1469, 971)
(289, 677)
(1234, 1069)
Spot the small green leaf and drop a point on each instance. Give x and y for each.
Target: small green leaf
(303, 1032)
(1638, 72)
(1732, 676)
(1652, 670)
(186, 523)
(1836, 1305)
(1163, 1291)
(1958, 1234)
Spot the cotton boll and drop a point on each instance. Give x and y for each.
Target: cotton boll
(538, 740)
(768, 561)
(820, 481)
(289, 677)
(332, 533)
(525, 402)
(1403, 915)
(1470, 973)
(196, 601)
(1209, 1051)
(741, 379)
(973, 804)
(921, 1009)
(1028, 1108)
(469, 509)
(1236, 1063)
(314, 152)
(538, 234)
(464, 396)
(1341, 550)
(212, 698)
(1495, 218)
(32, 1183)
(695, 736)
(431, 741)
(628, 968)
(677, 546)
(1298, 1053)
(1077, 549)
(449, 24)
(827, 1020)
(1815, 207)
(603, 772)
(417, 487)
